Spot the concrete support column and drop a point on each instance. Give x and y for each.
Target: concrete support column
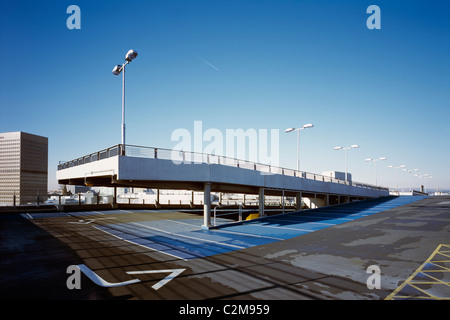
(298, 201)
(157, 199)
(328, 199)
(114, 202)
(207, 206)
(261, 202)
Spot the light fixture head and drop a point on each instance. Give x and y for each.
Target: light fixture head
(117, 69)
(382, 158)
(308, 125)
(368, 159)
(289, 130)
(338, 148)
(354, 146)
(131, 55)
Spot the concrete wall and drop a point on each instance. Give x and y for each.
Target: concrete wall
(157, 169)
(104, 167)
(138, 169)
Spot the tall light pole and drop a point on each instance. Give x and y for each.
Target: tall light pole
(353, 146)
(424, 176)
(396, 174)
(131, 55)
(305, 126)
(410, 171)
(375, 161)
(428, 177)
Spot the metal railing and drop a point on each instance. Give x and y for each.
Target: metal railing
(223, 206)
(188, 157)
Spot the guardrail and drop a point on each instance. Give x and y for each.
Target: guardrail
(222, 206)
(178, 156)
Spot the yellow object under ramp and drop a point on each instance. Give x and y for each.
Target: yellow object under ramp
(252, 216)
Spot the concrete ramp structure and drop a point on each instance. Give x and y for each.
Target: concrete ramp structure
(148, 167)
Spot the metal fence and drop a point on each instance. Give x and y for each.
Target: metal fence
(187, 157)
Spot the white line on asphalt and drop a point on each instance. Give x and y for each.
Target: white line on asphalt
(181, 235)
(141, 245)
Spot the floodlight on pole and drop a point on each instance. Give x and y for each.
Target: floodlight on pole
(117, 69)
(131, 55)
(396, 174)
(425, 176)
(353, 146)
(410, 174)
(305, 126)
(375, 161)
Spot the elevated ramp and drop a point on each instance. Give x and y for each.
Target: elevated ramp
(134, 166)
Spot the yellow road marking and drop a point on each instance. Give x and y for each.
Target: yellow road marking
(413, 283)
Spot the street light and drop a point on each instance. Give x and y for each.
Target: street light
(353, 146)
(305, 126)
(396, 174)
(375, 161)
(410, 171)
(424, 176)
(131, 55)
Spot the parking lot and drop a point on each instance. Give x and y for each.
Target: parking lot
(149, 254)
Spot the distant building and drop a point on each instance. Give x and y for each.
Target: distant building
(77, 189)
(23, 168)
(337, 175)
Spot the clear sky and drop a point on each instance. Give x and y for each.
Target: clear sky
(261, 64)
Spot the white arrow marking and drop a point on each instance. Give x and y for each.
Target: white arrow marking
(89, 220)
(103, 283)
(99, 281)
(173, 273)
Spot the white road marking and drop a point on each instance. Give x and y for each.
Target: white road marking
(189, 237)
(101, 282)
(173, 273)
(141, 245)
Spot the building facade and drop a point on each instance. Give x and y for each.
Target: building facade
(23, 168)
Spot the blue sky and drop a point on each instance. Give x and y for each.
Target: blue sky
(236, 64)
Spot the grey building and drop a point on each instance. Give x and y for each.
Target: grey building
(23, 168)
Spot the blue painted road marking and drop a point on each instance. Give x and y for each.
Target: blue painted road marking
(185, 239)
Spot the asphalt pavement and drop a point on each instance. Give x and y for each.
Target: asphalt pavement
(161, 255)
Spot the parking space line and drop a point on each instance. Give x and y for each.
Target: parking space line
(98, 212)
(322, 216)
(248, 234)
(304, 221)
(141, 245)
(273, 227)
(127, 211)
(190, 237)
